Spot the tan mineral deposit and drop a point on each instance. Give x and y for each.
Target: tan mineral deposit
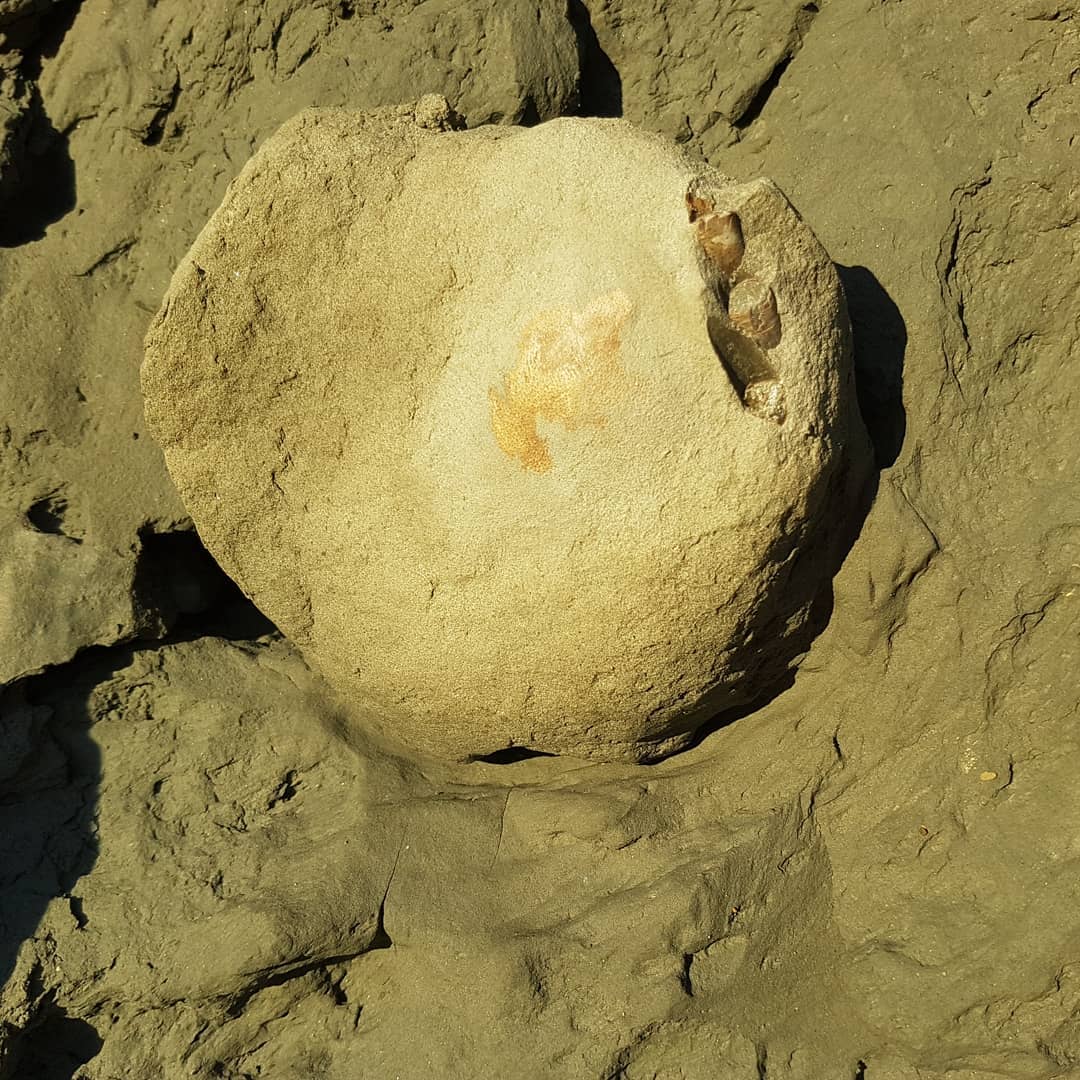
(526, 437)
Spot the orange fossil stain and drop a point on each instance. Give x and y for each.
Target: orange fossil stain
(566, 371)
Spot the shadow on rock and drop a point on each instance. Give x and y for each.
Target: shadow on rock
(880, 339)
(56, 1047)
(42, 187)
(50, 777)
(183, 593)
(601, 86)
(50, 771)
(809, 578)
(37, 183)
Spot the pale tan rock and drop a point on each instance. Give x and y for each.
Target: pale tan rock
(449, 407)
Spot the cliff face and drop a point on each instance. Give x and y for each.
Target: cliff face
(209, 871)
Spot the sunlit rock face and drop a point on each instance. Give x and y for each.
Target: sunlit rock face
(535, 437)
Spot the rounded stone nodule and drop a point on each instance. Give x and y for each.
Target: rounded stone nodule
(752, 311)
(416, 410)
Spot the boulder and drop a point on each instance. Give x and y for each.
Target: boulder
(527, 437)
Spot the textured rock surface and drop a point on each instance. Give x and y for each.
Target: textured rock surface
(874, 876)
(520, 499)
(112, 156)
(696, 70)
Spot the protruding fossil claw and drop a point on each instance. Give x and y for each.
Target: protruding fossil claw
(720, 235)
(752, 310)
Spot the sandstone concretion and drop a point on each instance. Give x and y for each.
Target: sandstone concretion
(467, 415)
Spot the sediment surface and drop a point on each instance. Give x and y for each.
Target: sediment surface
(206, 873)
